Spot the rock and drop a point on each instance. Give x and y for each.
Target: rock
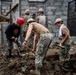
(12, 64)
(24, 68)
(1, 73)
(32, 72)
(19, 73)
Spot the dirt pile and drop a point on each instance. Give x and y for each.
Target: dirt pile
(25, 65)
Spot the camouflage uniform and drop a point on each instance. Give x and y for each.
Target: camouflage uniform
(24, 31)
(42, 48)
(41, 19)
(24, 28)
(64, 51)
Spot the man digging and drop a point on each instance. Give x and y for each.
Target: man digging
(12, 33)
(42, 39)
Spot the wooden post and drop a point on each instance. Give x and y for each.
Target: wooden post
(1, 28)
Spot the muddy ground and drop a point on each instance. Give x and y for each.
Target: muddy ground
(25, 65)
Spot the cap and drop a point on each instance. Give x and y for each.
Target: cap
(27, 11)
(30, 20)
(58, 20)
(40, 10)
(21, 21)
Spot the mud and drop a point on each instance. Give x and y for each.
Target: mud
(25, 65)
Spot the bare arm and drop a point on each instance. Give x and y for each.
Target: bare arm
(66, 33)
(35, 42)
(29, 31)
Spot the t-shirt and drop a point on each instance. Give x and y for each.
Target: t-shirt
(12, 30)
(42, 19)
(39, 28)
(63, 27)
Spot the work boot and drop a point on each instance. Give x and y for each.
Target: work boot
(9, 54)
(18, 54)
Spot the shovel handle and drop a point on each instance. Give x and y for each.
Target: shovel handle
(29, 48)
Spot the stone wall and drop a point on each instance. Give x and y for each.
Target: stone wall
(5, 7)
(0, 25)
(72, 18)
(52, 9)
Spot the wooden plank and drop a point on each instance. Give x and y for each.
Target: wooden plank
(16, 12)
(2, 16)
(3, 22)
(13, 8)
(4, 19)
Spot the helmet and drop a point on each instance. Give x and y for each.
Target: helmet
(40, 10)
(27, 11)
(30, 20)
(58, 20)
(21, 21)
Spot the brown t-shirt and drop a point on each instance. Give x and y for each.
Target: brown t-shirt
(64, 33)
(38, 28)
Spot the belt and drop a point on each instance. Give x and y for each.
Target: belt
(46, 32)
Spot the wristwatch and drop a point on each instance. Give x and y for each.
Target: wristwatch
(25, 40)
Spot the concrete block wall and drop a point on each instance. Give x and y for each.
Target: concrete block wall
(32, 6)
(56, 9)
(5, 7)
(0, 25)
(52, 8)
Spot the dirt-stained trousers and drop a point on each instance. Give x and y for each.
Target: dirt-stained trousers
(42, 48)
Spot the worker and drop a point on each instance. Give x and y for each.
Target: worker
(24, 28)
(12, 33)
(41, 18)
(34, 16)
(42, 39)
(64, 35)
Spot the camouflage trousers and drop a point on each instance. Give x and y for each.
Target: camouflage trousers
(42, 48)
(64, 52)
(10, 44)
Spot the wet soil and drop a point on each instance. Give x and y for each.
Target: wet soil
(25, 65)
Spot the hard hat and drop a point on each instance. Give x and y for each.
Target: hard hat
(58, 20)
(21, 21)
(30, 20)
(40, 10)
(27, 11)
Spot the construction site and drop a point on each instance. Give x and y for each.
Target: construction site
(11, 10)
